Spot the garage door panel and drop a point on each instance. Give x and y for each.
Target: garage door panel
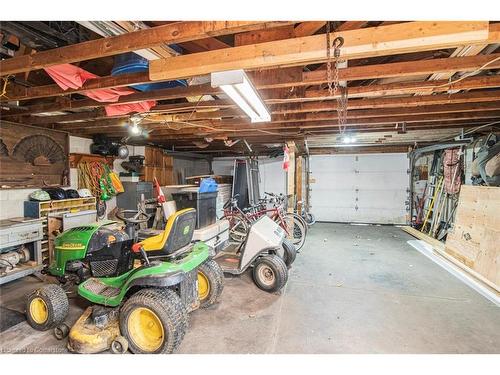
(381, 180)
(377, 215)
(333, 198)
(392, 162)
(342, 214)
(342, 163)
(368, 188)
(335, 180)
(371, 198)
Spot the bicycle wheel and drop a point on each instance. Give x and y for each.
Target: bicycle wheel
(238, 230)
(309, 218)
(301, 219)
(297, 232)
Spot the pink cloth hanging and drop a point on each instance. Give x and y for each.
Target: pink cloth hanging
(108, 95)
(123, 109)
(68, 76)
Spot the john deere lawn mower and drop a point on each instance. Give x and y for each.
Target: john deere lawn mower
(141, 292)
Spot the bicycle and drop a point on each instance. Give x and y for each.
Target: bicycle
(281, 201)
(240, 220)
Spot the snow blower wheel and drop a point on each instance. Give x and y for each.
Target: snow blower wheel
(270, 273)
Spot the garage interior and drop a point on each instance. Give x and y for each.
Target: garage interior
(261, 187)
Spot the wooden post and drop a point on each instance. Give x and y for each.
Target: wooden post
(298, 183)
(290, 191)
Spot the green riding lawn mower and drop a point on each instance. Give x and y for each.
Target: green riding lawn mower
(140, 292)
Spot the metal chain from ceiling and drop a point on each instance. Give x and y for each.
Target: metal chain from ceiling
(333, 77)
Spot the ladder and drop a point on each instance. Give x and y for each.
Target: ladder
(435, 190)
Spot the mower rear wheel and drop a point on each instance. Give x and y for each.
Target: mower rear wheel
(47, 307)
(210, 283)
(270, 273)
(153, 320)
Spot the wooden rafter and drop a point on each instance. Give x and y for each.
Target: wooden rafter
(316, 77)
(403, 88)
(376, 41)
(171, 33)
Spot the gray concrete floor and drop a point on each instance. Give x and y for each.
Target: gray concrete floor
(352, 289)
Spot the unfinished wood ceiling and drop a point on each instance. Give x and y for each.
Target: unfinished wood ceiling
(408, 82)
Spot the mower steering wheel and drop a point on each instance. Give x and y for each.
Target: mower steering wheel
(137, 218)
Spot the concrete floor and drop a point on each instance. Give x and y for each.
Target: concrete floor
(352, 289)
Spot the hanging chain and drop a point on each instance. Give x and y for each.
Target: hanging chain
(332, 76)
(331, 89)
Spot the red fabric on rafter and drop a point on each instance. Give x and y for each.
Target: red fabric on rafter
(108, 95)
(68, 76)
(123, 109)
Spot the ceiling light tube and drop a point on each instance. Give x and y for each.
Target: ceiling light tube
(236, 84)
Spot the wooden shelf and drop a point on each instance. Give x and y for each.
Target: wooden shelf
(43, 209)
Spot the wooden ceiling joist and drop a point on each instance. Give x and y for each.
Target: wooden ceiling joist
(408, 69)
(369, 42)
(310, 120)
(171, 33)
(412, 101)
(269, 81)
(308, 28)
(403, 88)
(307, 107)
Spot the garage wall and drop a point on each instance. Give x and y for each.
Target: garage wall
(12, 200)
(189, 167)
(363, 188)
(272, 176)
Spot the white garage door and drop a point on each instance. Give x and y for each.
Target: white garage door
(364, 188)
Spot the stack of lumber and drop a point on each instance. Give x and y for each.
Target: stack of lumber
(475, 238)
(473, 242)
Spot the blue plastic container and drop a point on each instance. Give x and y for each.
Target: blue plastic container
(131, 62)
(208, 185)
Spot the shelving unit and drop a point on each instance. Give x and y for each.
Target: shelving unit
(159, 165)
(43, 209)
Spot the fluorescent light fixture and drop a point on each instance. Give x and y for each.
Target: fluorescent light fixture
(237, 85)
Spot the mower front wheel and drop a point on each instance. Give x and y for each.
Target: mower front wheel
(210, 283)
(61, 331)
(47, 307)
(270, 273)
(154, 321)
(119, 345)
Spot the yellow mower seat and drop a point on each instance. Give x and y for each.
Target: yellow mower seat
(178, 233)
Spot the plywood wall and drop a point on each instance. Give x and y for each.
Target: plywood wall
(475, 238)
